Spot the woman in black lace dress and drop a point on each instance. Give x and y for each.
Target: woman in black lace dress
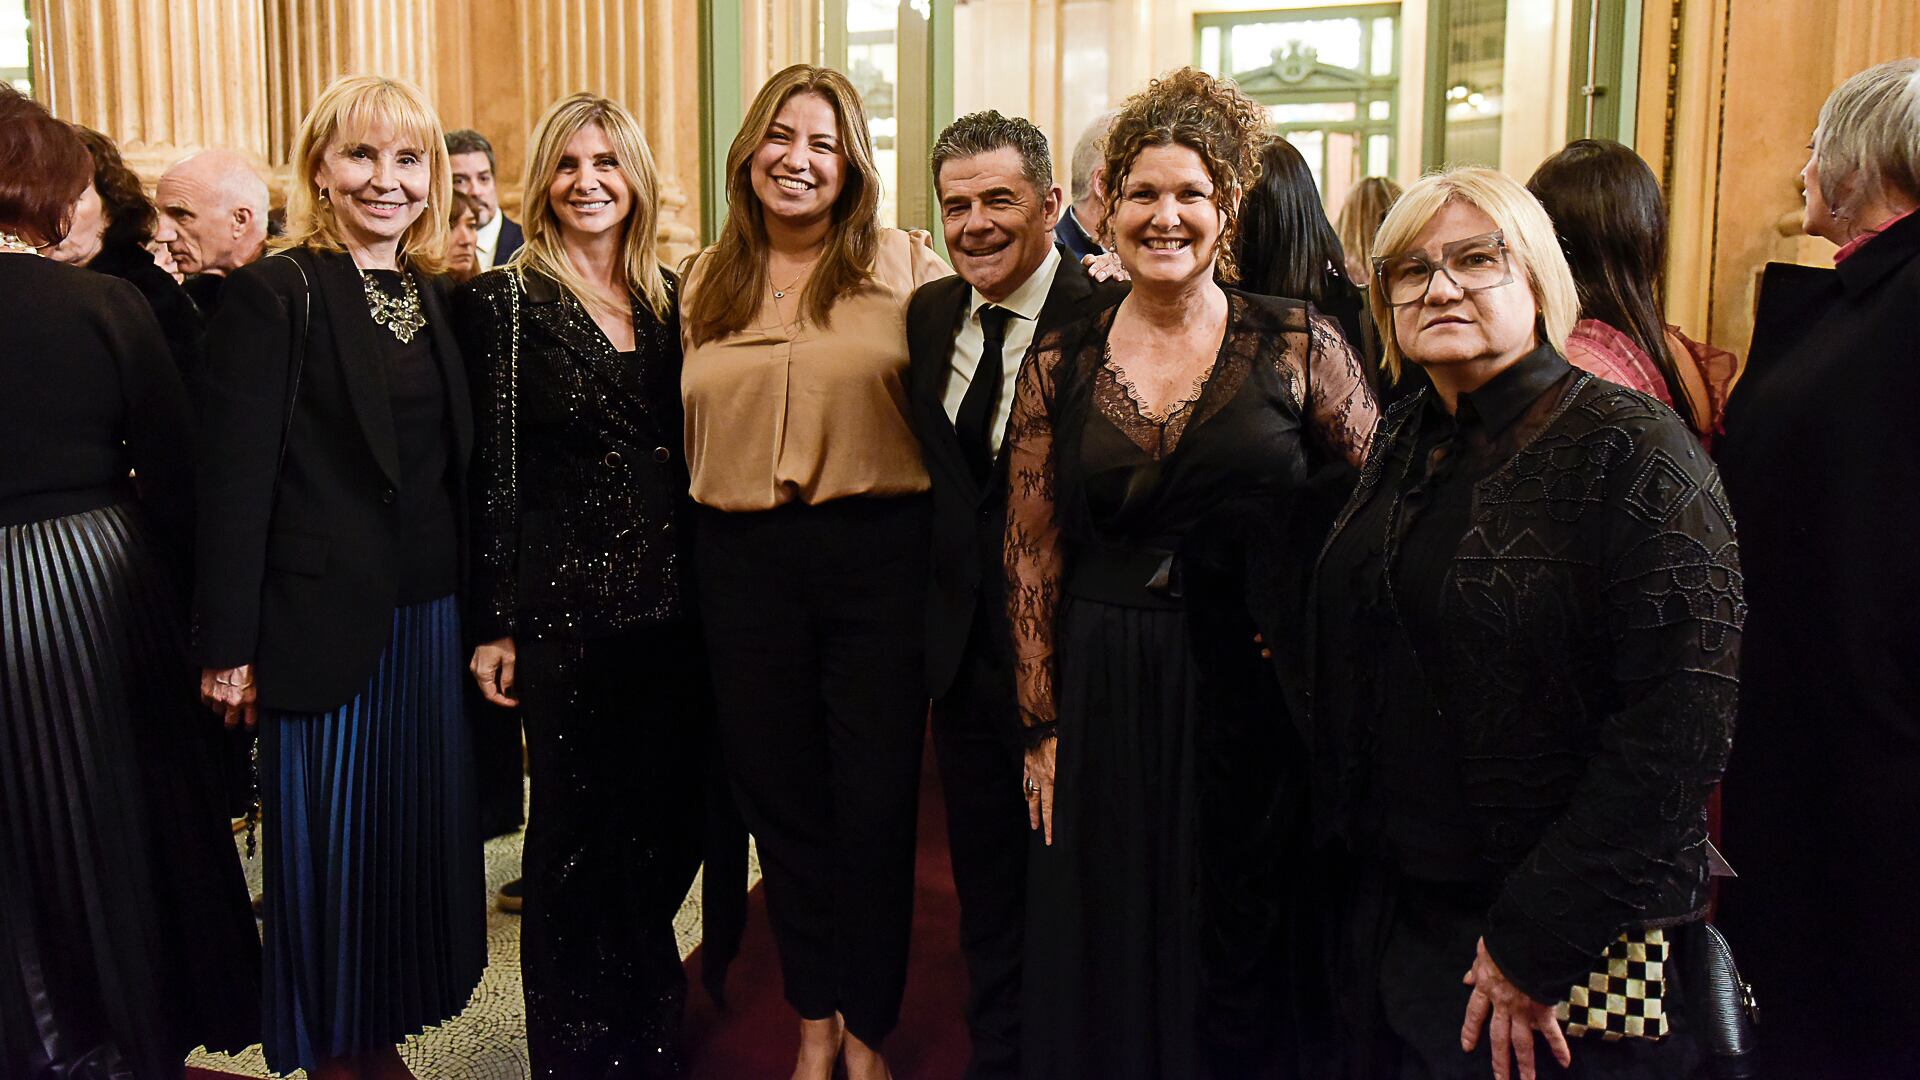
(581, 592)
(1526, 632)
(1127, 428)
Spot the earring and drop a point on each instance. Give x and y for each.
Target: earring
(323, 195)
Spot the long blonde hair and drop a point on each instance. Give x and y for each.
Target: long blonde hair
(1530, 240)
(544, 252)
(350, 106)
(735, 275)
(1360, 216)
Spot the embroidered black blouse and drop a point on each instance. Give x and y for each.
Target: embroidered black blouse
(1527, 634)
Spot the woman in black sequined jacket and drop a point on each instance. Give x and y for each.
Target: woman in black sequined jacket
(1527, 624)
(580, 593)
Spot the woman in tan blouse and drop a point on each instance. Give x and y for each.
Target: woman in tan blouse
(812, 547)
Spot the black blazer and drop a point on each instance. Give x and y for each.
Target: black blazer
(970, 519)
(1821, 465)
(584, 534)
(302, 583)
(511, 240)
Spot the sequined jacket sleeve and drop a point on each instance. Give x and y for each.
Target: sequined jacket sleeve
(1671, 606)
(482, 311)
(1033, 547)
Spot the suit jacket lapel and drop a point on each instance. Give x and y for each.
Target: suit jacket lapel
(355, 340)
(1071, 287)
(935, 347)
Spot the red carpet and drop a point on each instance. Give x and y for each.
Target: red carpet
(758, 1034)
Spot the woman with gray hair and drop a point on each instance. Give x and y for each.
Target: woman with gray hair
(1820, 465)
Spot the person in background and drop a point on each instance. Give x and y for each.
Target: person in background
(1366, 205)
(1128, 427)
(993, 176)
(1821, 463)
(812, 554)
(125, 937)
(1526, 644)
(1286, 247)
(333, 463)
(1079, 227)
(581, 595)
(213, 218)
(474, 173)
(112, 224)
(463, 239)
(1606, 206)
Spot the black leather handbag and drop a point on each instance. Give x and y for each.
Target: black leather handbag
(1723, 1004)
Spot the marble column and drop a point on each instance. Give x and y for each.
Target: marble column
(163, 78)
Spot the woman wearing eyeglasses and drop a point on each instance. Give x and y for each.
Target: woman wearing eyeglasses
(1527, 631)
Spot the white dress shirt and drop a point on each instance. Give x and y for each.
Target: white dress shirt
(1025, 302)
(489, 240)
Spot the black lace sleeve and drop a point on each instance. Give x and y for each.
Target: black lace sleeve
(1033, 545)
(482, 311)
(1674, 607)
(1340, 409)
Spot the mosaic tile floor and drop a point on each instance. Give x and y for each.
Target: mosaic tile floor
(488, 1041)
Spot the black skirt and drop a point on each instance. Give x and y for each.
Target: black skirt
(126, 938)
(1113, 965)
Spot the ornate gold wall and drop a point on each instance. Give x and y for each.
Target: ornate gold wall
(1747, 78)
(167, 77)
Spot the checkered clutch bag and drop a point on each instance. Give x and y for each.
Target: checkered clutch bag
(1622, 997)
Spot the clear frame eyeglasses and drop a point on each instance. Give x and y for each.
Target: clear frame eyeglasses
(1475, 263)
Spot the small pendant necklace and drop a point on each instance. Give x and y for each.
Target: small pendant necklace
(399, 314)
(781, 294)
(10, 242)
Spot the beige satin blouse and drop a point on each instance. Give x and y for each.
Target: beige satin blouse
(779, 413)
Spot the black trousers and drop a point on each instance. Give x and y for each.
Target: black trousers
(815, 619)
(617, 731)
(976, 738)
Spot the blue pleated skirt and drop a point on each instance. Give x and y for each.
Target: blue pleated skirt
(375, 913)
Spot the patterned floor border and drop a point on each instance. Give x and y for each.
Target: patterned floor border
(488, 1041)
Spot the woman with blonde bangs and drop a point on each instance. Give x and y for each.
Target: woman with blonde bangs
(813, 546)
(333, 471)
(1527, 633)
(581, 597)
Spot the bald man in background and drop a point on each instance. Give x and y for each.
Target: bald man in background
(1079, 225)
(213, 219)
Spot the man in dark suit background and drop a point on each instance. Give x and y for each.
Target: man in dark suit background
(498, 758)
(966, 336)
(1079, 224)
(474, 166)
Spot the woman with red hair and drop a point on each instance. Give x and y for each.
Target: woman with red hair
(125, 934)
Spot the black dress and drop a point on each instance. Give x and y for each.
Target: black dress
(1821, 801)
(1101, 495)
(125, 934)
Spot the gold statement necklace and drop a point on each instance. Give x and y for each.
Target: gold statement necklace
(399, 314)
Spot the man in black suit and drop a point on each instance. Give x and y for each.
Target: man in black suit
(1077, 225)
(966, 335)
(474, 166)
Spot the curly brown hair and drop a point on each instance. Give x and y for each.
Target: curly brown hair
(1209, 116)
(130, 215)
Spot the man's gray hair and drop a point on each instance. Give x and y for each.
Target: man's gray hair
(1869, 139)
(1090, 152)
(469, 141)
(985, 132)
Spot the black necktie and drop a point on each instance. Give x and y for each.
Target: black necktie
(974, 423)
